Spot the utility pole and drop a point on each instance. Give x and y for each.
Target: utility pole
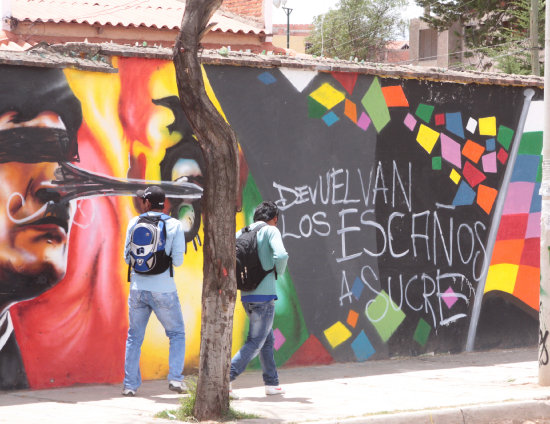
(322, 36)
(288, 12)
(534, 37)
(495, 222)
(544, 303)
(5, 14)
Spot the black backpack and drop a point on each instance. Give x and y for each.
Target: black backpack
(250, 272)
(147, 246)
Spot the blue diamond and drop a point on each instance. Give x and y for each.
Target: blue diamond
(357, 288)
(267, 78)
(330, 118)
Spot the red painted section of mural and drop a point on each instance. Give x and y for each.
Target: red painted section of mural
(312, 352)
(347, 79)
(135, 105)
(76, 332)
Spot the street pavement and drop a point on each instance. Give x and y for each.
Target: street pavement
(498, 387)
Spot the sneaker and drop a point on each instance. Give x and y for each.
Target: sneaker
(274, 390)
(177, 386)
(232, 394)
(128, 392)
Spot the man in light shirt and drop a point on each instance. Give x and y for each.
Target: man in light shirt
(155, 292)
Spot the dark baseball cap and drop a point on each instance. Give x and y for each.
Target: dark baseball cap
(154, 194)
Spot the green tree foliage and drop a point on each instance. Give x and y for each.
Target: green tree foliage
(482, 20)
(497, 31)
(513, 55)
(356, 28)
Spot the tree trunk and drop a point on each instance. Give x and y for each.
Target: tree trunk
(219, 146)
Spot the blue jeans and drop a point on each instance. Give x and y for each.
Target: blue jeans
(168, 311)
(260, 340)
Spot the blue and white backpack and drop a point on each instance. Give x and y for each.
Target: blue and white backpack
(147, 245)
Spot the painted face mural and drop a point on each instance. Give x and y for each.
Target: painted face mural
(34, 241)
(388, 190)
(38, 127)
(39, 118)
(45, 183)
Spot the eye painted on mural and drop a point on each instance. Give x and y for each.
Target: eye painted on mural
(184, 171)
(183, 162)
(185, 168)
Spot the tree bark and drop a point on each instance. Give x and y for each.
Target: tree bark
(219, 146)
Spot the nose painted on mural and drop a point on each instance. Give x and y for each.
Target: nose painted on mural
(72, 183)
(42, 211)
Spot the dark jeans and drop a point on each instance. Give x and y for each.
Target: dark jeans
(260, 340)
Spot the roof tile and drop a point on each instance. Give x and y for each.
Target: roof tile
(149, 13)
(12, 42)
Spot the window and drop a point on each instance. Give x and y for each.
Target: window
(427, 44)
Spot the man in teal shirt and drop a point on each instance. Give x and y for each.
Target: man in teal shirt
(259, 304)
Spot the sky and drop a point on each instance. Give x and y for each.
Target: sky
(303, 11)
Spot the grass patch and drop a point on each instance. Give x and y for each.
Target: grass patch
(187, 404)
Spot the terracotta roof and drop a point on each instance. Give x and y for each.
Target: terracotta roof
(398, 45)
(148, 13)
(12, 42)
(397, 56)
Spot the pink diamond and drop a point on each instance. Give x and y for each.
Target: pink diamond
(409, 122)
(449, 297)
(364, 121)
(279, 339)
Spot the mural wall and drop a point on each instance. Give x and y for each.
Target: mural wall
(387, 188)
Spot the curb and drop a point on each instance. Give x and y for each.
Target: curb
(478, 414)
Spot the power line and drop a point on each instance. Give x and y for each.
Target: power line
(499, 56)
(342, 22)
(407, 62)
(487, 48)
(327, 41)
(351, 20)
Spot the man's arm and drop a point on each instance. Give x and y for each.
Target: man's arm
(127, 243)
(280, 255)
(178, 245)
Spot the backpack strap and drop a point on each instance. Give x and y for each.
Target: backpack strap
(165, 218)
(130, 264)
(255, 230)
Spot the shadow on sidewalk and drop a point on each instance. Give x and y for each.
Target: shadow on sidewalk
(277, 399)
(152, 391)
(333, 371)
(156, 392)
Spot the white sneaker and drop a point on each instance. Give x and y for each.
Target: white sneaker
(232, 394)
(274, 390)
(177, 386)
(128, 392)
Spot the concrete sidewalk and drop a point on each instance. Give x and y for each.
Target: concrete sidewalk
(482, 387)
